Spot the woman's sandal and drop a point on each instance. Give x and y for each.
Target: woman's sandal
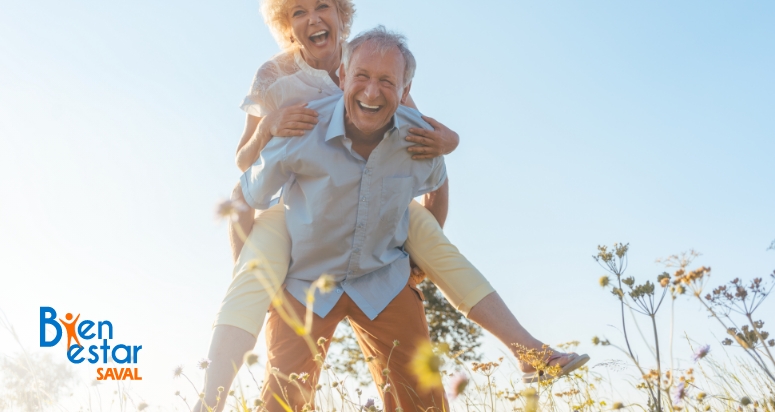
(576, 362)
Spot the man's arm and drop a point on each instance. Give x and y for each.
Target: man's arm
(437, 202)
(227, 349)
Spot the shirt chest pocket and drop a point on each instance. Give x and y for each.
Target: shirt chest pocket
(397, 192)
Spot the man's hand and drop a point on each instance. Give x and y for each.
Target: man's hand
(432, 143)
(290, 121)
(417, 274)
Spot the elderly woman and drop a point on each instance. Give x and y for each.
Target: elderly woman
(312, 34)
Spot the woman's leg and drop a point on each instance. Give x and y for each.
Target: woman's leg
(462, 284)
(258, 275)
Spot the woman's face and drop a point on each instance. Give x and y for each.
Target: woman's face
(316, 27)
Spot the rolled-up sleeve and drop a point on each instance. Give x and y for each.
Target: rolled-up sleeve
(262, 180)
(436, 178)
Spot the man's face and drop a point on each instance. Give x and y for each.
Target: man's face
(373, 87)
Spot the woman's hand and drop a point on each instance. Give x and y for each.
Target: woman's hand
(289, 121)
(432, 143)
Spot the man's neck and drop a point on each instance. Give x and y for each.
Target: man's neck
(364, 143)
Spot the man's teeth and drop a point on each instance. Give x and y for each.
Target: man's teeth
(366, 106)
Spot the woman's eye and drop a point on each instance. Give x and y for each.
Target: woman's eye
(323, 6)
(298, 13)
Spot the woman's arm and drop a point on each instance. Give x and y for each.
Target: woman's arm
(431, 143)
(286, 122)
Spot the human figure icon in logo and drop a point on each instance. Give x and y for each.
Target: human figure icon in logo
(70, 329)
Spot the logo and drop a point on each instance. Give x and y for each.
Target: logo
(102, 350)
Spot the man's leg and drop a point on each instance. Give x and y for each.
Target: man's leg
(403, 320)
(290, 353)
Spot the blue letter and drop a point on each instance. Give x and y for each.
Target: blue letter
(71, 356)
(84, 328)
(110, 329)
(48, 317)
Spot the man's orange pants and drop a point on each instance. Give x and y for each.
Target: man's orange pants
(402, 320)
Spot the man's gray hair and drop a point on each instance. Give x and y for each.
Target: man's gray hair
(383, 40)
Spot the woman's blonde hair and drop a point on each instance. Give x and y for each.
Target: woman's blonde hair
(276, 17)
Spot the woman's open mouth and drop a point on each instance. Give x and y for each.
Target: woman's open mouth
(319, 38)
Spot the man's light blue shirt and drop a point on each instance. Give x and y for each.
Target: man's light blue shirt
(347, 217)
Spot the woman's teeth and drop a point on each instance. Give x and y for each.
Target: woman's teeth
(319, 37)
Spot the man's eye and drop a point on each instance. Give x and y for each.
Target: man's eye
(362, 76)
(388, 82)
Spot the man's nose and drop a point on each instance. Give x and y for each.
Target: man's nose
(372, 90)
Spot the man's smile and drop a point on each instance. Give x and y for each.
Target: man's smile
(368, 108)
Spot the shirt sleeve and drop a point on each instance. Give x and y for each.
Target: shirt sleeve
(270, 172)
(261, 100)
(436, 178)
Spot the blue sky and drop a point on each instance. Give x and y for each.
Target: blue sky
(582, 123)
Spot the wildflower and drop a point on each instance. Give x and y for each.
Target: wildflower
(701, 396)
(386, 388)
(177, 393)
(680, 392)
(220, 389)
(369, 358)
(293, 376)
(325, 283)
(369, 405)
(318, 387)
(531, 399)
(604, 281)
(204, 363)
(745, 401)
(141, 406)
(303, 377)
(258, 402)
(231, 393)
(702, 351)
(395, 342)
(595, 340)
(617, 405)
(426, 365)
(335, 384)
(385, 372)
(229, 209)
(457, 384)
(399, 409)
(250, 358)
(177, 371)
(321, 341)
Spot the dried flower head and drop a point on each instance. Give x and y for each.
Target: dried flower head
(203, 363)
(701, 352)
(325, 283)
(230, 209)
(177, 371)
(457, 384)
(250, 358)
(426, 365)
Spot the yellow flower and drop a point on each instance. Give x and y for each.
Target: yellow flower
(325, 283)
(604, 281)
(426, 365)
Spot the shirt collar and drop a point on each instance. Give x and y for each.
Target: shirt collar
(336, 127)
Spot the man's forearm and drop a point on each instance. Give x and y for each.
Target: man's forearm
(227, 349)
(437, 202)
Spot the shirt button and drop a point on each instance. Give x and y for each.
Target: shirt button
(356, 250)
(338, 290)
(363, 199)
(360, 225)
(368, 171)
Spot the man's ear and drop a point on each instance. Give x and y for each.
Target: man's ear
(405, 94)
(341, 76)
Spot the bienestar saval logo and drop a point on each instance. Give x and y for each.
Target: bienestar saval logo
(86, 331)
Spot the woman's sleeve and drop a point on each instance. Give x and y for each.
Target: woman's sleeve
(260, 100)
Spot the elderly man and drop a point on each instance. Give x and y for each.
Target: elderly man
(347, 215)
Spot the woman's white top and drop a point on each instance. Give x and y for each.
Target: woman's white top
(286, 79)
